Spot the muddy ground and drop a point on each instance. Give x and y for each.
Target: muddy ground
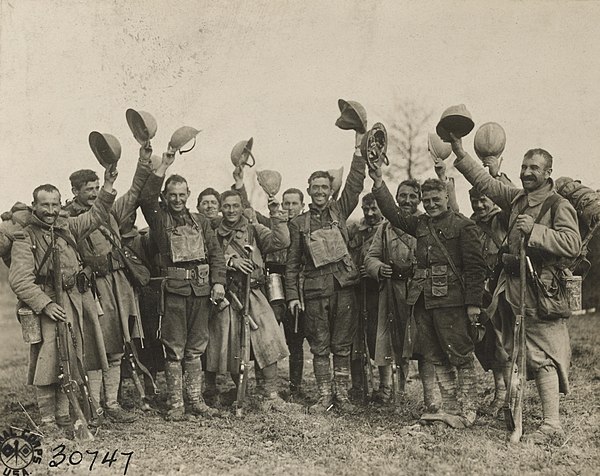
(373, 441)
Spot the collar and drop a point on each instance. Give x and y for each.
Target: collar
(313, 209)
(362, 225)
(539, 195)
(61, 223)
(489, 217)
(225, 229)
(75, 208)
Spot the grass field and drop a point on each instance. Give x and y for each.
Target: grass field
(374, 441)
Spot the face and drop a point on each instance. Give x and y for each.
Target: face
(408, 199)
(435, 202)
(47, 206)
(482, 206)
(320, 191)
(176, 196)
(292, 205)
(371, 213)
(232, 209)
(534, 173)
(209, 206)
(87, 193)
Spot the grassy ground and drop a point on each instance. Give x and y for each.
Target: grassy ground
(374, 441)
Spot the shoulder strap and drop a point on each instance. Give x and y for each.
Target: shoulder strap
(444, 251)
(551, 203)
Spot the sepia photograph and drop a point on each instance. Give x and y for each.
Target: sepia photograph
(345, 237)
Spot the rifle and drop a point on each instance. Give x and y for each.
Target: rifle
(63, 335)
(245, 343)
(368, 379)
(301, 297)
(513, 408)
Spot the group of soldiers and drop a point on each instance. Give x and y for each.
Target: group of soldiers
(400, 285)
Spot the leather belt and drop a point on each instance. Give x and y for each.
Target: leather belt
(181, 273)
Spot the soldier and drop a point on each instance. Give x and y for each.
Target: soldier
(492, 225)
(99, 249)
(31, 279)
(192, 266)
(267, 342)
(367, 296)
(319, 250)
(549, 224)
(390, 261)
(445, 292)
(209, 203)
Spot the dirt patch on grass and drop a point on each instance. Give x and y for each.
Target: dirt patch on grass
(373, 441)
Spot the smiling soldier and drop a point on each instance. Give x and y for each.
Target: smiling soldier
(446, 291)
(193, 269)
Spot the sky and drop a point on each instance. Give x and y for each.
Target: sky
(275, 70)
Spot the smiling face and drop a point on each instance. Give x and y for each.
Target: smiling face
(232, 209)
(292, 204)
(482, 206)
(371, 212)
(534, 172)
(47, 206)
(408, 199)
(435, 202)
(176, 196)
(320, 191)
(209, 206)
(87, 193)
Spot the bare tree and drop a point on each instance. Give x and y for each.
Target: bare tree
(407, 128)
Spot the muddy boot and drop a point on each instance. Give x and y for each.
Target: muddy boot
(450, 413)
(467, 385)
(546, 381)
(356, 392)
(323, 377)
(114, 411)
(63, 418)
(211, 393)
(46, 401)
(173, 376)
(499, 394)
(341, 378)
(269, 398)
(296, 364)
(192, 384)
(427, 376)
(383, 395)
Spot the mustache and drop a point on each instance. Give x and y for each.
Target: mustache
(527, 177)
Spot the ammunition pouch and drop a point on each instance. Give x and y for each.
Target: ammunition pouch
(510, 263)
(199, 273)
(401, 273)
(275, 268)
(105, 264)
(79, 279)
(439, 280)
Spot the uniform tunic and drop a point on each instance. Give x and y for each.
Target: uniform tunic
(267, 342)
(438, 293)
(27, 253)
(328, 290)
(556, 239)
(393, 244)
(116, 295)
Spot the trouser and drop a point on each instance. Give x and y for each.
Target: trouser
(294, 340)
(184, 331)
(53, 404)
(365, 325)
(443, 335)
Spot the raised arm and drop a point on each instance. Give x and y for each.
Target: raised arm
(126, 204)
(474, 267)
(151, 191)
(274, 239)
(355, 182)
(499, 192)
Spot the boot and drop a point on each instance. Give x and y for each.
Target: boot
(95, 383)
(341, 376)
(211, 393)
(46, 400)
(467, 384)
(192, 383)
(323, 377)
(427, 376)
(63, 418)
(383, 395)
(546, 381)
(296, 365)
(446, 375)
(114, 411)
(270, 399)
(499, 393)
(173, 376)
(356, 392)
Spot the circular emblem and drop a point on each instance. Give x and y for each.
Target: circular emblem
(19, 449)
